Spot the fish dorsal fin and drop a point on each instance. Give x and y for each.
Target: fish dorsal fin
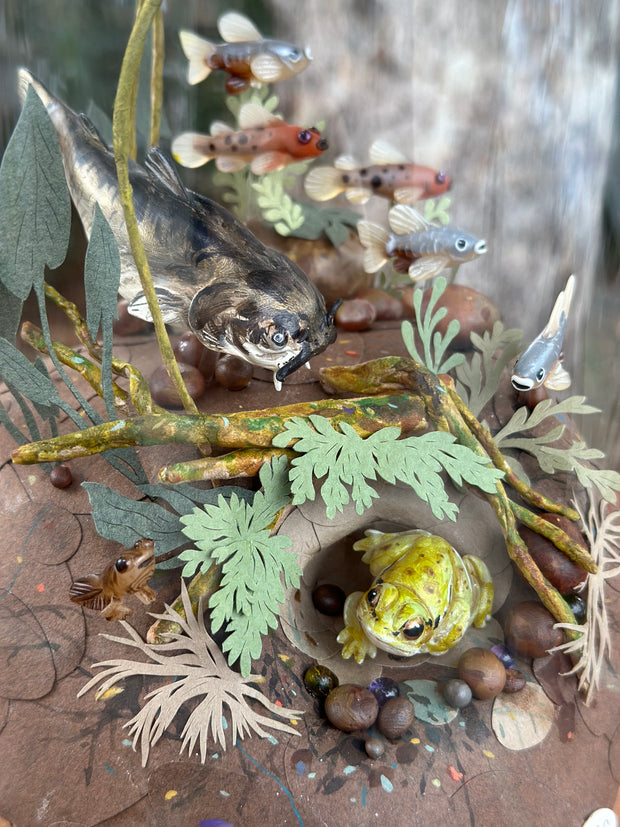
(382, 152)
(267, 68)
(346, 162)
(197, 50)
(173, 307)
(558, 378)
(92, 130)
(237, 28)
(561, 306)
(404, 220)
(220, 128)
(252, 115)
(160, 168)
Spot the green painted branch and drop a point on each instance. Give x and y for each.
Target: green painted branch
(122, 121)
(157, 77)
(246, 462)
(245, 429)
(572, 549)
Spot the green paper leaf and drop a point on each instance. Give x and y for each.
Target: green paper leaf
(35, 208)
(10, 307)
(19, 372)
(102, 275)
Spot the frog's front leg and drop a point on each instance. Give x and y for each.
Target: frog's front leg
(482, 589)
(352, 637)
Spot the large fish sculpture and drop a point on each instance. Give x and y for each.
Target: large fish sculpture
(209, 272)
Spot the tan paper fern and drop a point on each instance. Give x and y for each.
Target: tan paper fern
(602, 530)
(199, 669)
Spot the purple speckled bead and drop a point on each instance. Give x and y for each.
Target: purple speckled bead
(500, 651)
(383, 689)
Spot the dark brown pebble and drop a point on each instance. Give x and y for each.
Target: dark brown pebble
(350, 707)
(232, 373)
(126, 324)
(395, 717)
(483, 672)
(387, 307)
(207, 363)
(188, 350)
(560, 570)
(61, 476)
(328, 599)
(355, 314)
(374, 747)
(164, 392)
(529, 630)
(515, 681)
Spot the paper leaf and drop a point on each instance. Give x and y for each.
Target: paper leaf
(435, 344)
(429, 705)
(197, 670)
(522, 719)
(102, 273)
(332, 222)
(10, 311)
(18, 371)
(35, 208)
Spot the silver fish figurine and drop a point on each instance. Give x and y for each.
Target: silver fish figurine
(416, 246)
(541, 363)
(210, 273)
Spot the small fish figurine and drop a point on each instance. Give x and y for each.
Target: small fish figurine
(210, 273)
(248, 58)
(423, 598)
(389, 174)
(541, 363)
(264, 141)
(128, 574)
(416, 246)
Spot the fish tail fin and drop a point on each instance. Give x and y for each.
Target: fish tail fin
(561, 306)
(198, 51)
(189, 149)
(26, 79)
(324, 183)
(374, 239)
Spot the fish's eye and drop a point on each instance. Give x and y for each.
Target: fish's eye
(278, 337)
(440, 178)
(461, 244)
(540, 375)
(373, 597)
(413, 629)
(304, 136)
(121, 565)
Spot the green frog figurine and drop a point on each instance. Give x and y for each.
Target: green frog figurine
(423, 599)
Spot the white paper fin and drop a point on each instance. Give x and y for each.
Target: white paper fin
(276, 383)
(427, 267)
(228, 164)
(358, 195)
(347, 162)
(323, 183)
(186, 150)
(269, 162)
(374, 239)
(408, 195)
(382, 152)
(562, 305)
(558, 378)
(171, 307)
(252, 115)
(236, 28)
(404, 220)
(218, 128)
(267, 68)
(197, 50)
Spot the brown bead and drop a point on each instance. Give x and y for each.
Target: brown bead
(328, 599)
(561, 571)
(515, 681)
(355, 314)
(483, 672)
(349, 707)
(395, 717)
(387, 307)
(164, 392)
(529, 630)
(232, 373)
(531, 398)
(61, 476)
(188, 350)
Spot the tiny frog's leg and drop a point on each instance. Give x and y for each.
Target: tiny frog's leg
(354, 641)
(381, 550)
(482, 587)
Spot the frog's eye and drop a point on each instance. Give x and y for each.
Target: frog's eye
(373, 597)
(413, 629)
(121, 565)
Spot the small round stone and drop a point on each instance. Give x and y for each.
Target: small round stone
(355, 314)
(206, 364)
(188, 350)
(164, 392)
(387, 307)
(350, 707)
(578, 607)
(456, 693)
(328, 599)
(383, 689)
(374, 747)
(232, 373)
(395, 717)
(319, 681)
(515, 681)
(483, 672)
(61, 476)
(529, 630)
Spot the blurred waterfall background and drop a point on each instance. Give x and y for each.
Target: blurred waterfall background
(517, 99)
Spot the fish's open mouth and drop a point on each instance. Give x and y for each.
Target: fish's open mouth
(296, 362)
(521, 384)
(480, 247)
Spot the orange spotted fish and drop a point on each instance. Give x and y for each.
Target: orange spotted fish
(248, 58)
(389, 174)
(128, 574)
(264, 141)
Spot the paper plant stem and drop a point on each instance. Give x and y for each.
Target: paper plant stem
(245, 429)
(157, 77)
(246, 462)
(123, 127)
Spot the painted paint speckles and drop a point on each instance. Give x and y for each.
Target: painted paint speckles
(348, 770)
(224, 794)
(386, 784)
(170, 794)
(436, 783)
(300, 768)
(428, 748)
(487, 753)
